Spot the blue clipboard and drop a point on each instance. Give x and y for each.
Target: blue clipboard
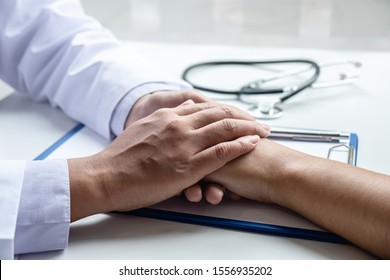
(232, 224)
(343, 140)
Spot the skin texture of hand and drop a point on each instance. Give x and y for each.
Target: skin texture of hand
(159, 156)
(161, 99)
(168, 99)
(148, 104)
(352, 202)
(252, 175)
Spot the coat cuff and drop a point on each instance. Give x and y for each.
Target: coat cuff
(44, 209)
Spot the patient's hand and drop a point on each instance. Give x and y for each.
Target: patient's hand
(257, 174)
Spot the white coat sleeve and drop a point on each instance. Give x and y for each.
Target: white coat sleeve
(51, 50)
(34, 204)
(11, 181)
(43, 218)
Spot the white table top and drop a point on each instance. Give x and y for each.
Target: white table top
(360, 108)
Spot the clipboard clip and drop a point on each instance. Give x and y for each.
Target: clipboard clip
(339, 138)
(350, 150)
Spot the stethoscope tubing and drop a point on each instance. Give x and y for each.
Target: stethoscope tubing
(246, 89)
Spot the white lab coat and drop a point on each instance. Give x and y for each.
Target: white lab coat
(52, 51)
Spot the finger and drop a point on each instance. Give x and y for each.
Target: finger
(213, 193)
(213, 158)
(266, 127)
(188, 110)
(187, 102)
(226, 130)
(206, 113)
(174, 98)
(193, 193)
(218, 112)
(194, 95)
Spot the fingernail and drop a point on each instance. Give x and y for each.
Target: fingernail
(254, 139)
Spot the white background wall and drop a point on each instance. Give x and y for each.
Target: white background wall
(342, 24)
(346, 24)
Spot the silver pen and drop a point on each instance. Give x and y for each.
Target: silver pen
(279, 133)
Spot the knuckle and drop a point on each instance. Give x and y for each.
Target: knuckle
(174, 125)
(209, 105)
(228, 125)
(228, 112)
(177, 133)
(163, 112)
(182, 166)
(243, 144)
(221, 151)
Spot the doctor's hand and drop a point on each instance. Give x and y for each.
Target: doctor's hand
(159, 156)
(148, 104)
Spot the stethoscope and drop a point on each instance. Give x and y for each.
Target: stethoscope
(272, 107)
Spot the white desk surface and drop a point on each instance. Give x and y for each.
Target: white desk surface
(360, 108)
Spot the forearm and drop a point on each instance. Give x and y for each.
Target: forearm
(349, 201)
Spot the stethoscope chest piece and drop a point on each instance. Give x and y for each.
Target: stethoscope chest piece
(266, 114)
(266, 108)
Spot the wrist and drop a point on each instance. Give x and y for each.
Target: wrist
(277, 169)
(144, 106)
(138, 110)
(88, 195)
(288, 177)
